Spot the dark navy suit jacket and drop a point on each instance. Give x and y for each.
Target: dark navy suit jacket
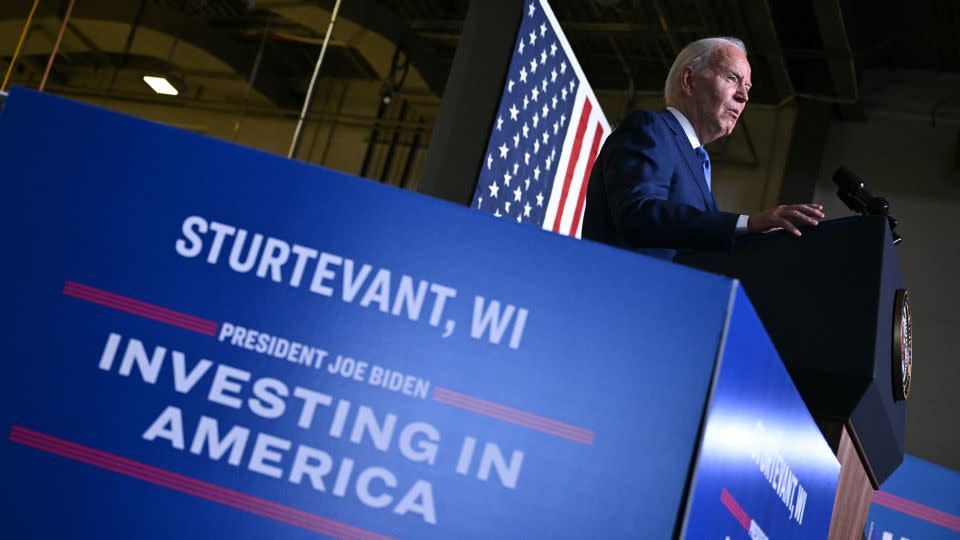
(647, 192)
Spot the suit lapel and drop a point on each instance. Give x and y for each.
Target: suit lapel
(690, 157)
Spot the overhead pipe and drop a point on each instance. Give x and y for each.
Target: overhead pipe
(56, 46)
(16, 52)
(313, 82)
(253, 77)
(392, 149)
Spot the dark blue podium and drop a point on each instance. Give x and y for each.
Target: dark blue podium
(832, 301)
(203, 340)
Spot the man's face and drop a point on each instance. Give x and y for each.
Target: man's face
(720, 93)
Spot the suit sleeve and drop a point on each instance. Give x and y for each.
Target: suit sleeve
(638, 171)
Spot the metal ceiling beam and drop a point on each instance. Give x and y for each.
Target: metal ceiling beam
(233, 50)
(637, 30)
(373, 16)
(766, 46)
(839, 56)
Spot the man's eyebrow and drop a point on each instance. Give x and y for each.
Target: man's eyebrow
(740, 78)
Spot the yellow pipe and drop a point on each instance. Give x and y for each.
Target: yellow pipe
(16, 53)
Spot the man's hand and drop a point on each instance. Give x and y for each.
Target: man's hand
(787, 216)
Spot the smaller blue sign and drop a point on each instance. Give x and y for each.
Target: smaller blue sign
(764, 470)
(918, 502)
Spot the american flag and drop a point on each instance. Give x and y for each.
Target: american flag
(548, 131)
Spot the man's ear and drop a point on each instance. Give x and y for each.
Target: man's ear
(686, 81)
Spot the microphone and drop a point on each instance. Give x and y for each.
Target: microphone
(852, 191)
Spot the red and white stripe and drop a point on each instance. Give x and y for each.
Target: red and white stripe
(586, 131)
(191, 486)
(518, 417)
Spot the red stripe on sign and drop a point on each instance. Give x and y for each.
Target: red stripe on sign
(126, 305)
(727, 499)
(514, 416)
(190, 486)
(137, 307)
(572, 164)
(594, 149)
(917, 510)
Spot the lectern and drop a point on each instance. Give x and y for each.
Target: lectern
(834, 305)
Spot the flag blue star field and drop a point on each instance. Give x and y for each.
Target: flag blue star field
(548, 131)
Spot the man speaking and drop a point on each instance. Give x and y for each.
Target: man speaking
(650, 186)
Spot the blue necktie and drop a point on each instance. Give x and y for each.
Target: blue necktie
(705, 161)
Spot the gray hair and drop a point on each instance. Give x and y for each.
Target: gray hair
(697, 56)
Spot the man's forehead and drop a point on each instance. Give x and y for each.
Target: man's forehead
(731, 58)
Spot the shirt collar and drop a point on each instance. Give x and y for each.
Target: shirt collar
(687, 128)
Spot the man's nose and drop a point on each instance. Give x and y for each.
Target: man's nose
(742, 95)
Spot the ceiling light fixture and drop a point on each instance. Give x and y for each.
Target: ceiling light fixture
(160, 85)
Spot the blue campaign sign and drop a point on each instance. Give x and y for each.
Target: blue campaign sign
(764, 470)
(202, 340)
(207, 341)
(918, 502)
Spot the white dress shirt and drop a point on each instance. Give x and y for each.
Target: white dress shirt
(695, 143)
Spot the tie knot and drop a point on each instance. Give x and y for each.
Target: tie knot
(704, 157)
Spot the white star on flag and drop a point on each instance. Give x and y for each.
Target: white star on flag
(561, 172)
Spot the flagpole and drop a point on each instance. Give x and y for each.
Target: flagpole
(313, 81)
(16, 53)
